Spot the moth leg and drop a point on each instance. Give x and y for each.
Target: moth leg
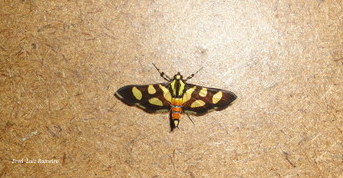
(163, 75)
(190, 118)
(192, 75)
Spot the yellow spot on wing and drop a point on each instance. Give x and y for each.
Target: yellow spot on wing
(197, 103)
(217, 97)
(188, 94)
(151, 89)
(136, 93)
(155, 101)
(166, 93)
(203, 92)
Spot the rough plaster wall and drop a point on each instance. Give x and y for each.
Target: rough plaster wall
(61, 62)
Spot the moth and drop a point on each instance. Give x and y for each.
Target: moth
(175, 96)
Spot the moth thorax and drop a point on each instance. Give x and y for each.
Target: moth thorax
(177, 87)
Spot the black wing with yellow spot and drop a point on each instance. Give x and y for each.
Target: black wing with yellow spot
(199, 100)
(151, 98)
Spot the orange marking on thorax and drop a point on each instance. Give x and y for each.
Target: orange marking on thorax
(177, 101)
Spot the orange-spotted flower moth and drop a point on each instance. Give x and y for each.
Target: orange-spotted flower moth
(176, 97)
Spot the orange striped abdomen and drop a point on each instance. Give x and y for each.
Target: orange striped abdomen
(176, 109)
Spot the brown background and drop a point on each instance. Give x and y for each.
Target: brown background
(61, 62)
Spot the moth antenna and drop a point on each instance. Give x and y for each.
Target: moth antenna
(162, 74)
(192, 75)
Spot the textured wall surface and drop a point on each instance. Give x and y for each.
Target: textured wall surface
(62, 61)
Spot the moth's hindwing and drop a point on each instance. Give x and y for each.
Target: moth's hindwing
(199, 100)
(151, 98)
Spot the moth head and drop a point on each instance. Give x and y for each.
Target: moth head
(178, 76)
